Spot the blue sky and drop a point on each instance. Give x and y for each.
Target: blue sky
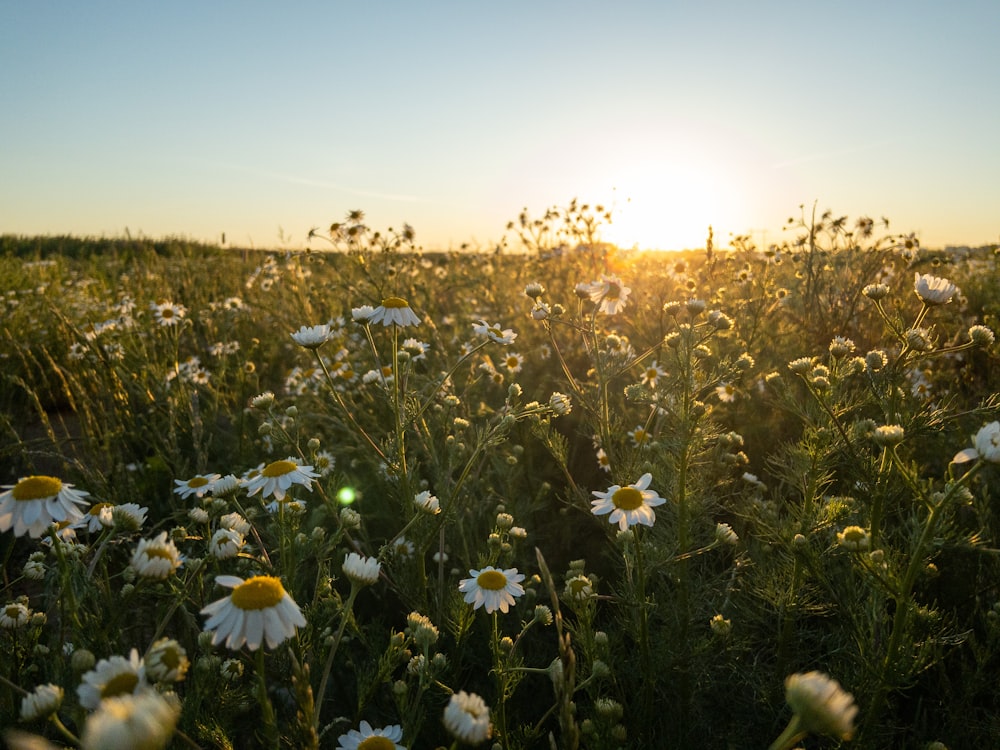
(197, 118)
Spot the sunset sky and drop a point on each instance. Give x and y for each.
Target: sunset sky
(267, 119)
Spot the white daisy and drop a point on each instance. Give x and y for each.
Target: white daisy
(225, 543)
(394, 311)
(14, 615)
(236, 522)
(113, 676)
(166, 661)
(41, 702)
(493, 588)
(933, 290)
(368, 738)
(198, 485)
(821, 704)
(495, 332)
(427, 503)
(33, 504)
(628, 505)
(259, 609)
(467, 717)
(361, 570)
(278, 476)
(98, 517)
(168, 313)
(145, 720)
(128, 516)
(609, 294)
(312, 337)
(156, 558)
(987, 443)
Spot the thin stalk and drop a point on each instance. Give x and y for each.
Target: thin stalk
(347, 614)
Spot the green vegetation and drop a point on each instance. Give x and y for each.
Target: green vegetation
(669, 483)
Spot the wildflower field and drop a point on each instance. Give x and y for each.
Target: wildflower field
(555, 496)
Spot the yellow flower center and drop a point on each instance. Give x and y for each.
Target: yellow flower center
(120, 684)
(492, 580)
(12, 611)
(37, 488)
(166, 312)
(95, 510)
(197, 482)
(627, 498)
(376, 743)
(170, 658)
(259, 592)
(614, 291)
(279, 468)
(161, 552)
(395, 302)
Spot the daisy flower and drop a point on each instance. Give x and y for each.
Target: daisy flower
(933, 290)
(14, 615)
(495, 332)
(258, 609)
(278, 476)
(651, 374)
(640, 436)
(609, 294)
(312, 337)
(987, 443)
(362, 314)
(628, 505)
(236, 522)
(402, 547)
(512, 362)
(467, 717)
(427, 503)
(225, 543)
(166, 661)
(156, 558)
(394, 311)
(821, 705)
(128, 516)
(98, 517)
(560, 403)
(361, 570)
(41, 702)
(726, 393)
(167, 313)
(113, 676)
(145, 720)
(368, 738)
(198, 485)
(493, 588)
(36, 502)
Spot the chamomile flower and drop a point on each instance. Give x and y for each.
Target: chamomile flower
(726, 393)
(225, 543)
(166, 661)
(512, 362)
(494, 332)
(128, 516)
(156, 558)
(146, 720)
(98, 517)
(492, 588)
(113, 676)
(427, 503)
(236, 522)
(198, 485)
(467, 717)
(259, 609)
(278, 476)
(363, 571)
(368, 738)
(651, 374)
(41, 702)
(33, 504)
(168, 313)
(933, 290)
(14, 615)
(821, 704)
(629, 505)
(312, 337)
(609, 294)
(394, 311)
(987, 442)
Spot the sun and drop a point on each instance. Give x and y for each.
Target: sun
(668, 207)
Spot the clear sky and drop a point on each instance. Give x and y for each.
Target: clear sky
(261, 118)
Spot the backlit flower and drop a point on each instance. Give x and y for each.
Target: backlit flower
(33, 504)
(933, 290)
(312, 337)
(156, 558)
(146, 720)
(427, 503)
(394, 311)
(494, 332)
(467, 717)
(609, 294)
(113, 676)
(821, 704)
(259, 609)
(361, 570)
(651, 374)
(987, 442)
(368, 738)
(493, 588)
(854, 538)
(278, 476)
(41, 702)
(628, 505)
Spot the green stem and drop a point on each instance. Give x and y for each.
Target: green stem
(270, 724)
(792, 734)
(347, 614)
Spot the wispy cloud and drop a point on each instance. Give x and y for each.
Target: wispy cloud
(834, 154)
(325, 184)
